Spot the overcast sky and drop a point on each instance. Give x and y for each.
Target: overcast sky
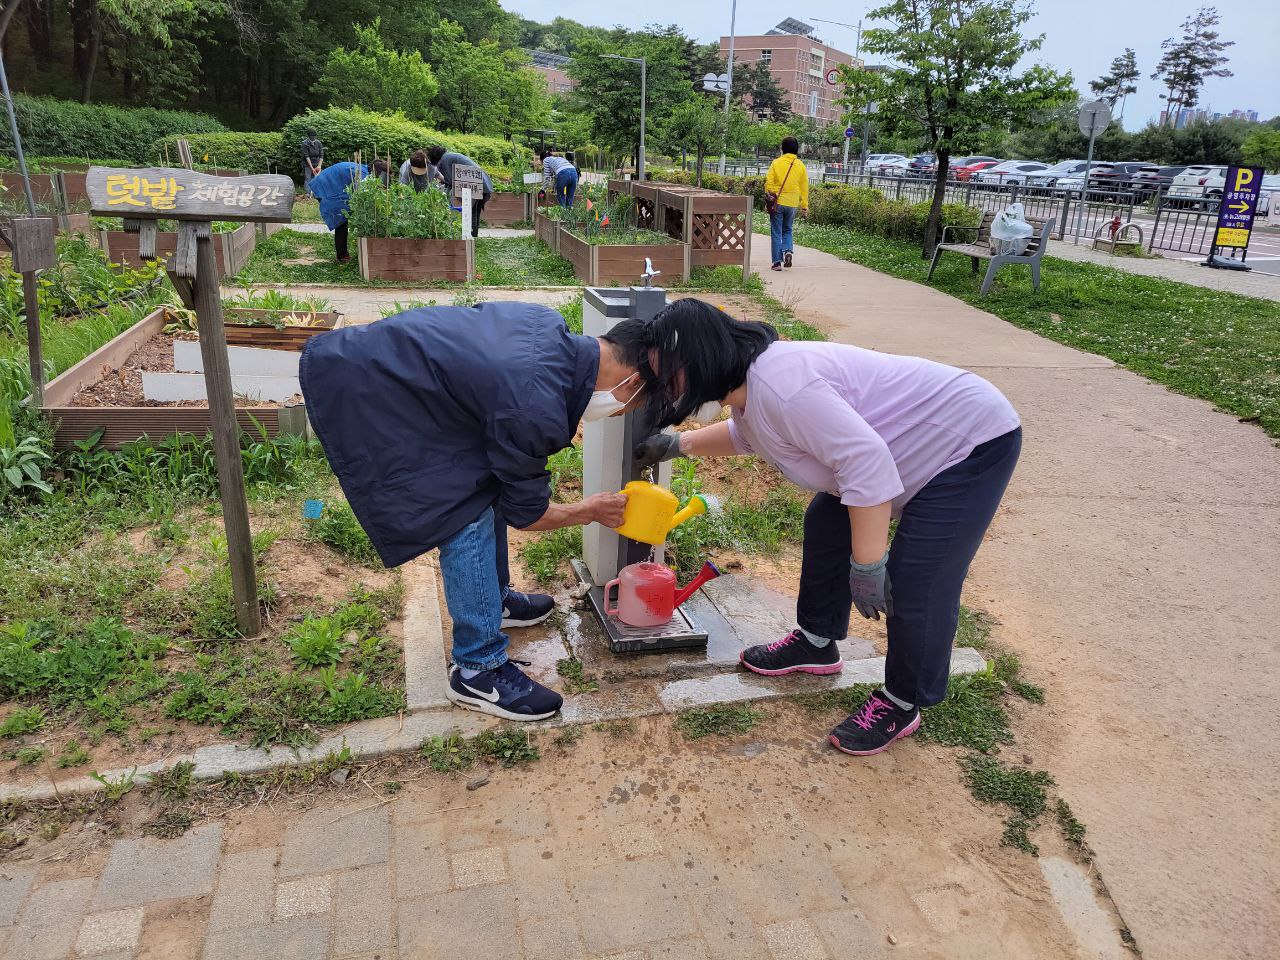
(1080, 35)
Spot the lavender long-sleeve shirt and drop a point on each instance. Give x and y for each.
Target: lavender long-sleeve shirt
(867, 427)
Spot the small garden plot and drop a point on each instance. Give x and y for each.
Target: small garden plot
(233, 243)
(617, 255)
(408, 236)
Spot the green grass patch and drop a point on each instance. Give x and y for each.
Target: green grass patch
(72, 755)
(338, 528)
(546, 557)
(720, 720)
(971, 715)
(1220, 347)
(1073, 831)
(575, 681)
(521, 262)
(973, 629)
(571, 310)
(291, 256)
(22, 721)
(506, 747)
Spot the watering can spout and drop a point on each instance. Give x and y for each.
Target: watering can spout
(708, 572)
(697, 505)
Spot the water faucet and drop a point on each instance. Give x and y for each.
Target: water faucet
(649, 273)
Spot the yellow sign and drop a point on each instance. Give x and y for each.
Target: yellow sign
(134, 191)
(1244, 177)
(1232, 237)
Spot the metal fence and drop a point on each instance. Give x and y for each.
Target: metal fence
(1184, 224)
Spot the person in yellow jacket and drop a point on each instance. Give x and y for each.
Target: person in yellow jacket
(787, 184)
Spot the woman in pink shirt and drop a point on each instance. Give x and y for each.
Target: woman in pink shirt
(875, 436)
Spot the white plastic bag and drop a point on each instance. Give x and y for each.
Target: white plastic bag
(1010, 231)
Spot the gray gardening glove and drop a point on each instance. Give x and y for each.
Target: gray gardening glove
(655, 448)
(869, 584)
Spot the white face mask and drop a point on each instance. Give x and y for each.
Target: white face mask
(709, 412)
(604, 404)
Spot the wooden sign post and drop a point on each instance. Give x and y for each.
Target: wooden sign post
(33, 250)
(195, 200)
(467, 177)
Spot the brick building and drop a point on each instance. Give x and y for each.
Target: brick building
(799, 62)
(555, 68)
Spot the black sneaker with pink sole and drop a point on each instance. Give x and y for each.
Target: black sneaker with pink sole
(792, 654)
(874, 726)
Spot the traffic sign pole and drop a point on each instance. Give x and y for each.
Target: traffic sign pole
(1093, 119)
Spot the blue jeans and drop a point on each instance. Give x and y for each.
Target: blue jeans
(566, 186)
(938, 535)
(780, 222)
(473, 564)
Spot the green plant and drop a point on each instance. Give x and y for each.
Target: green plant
(117, 788)
(721, 719)
(397, 210)
(575, 681)
(338, 528)
(970, 716)
(21, 466)
(173, 784)
(545, 555)
(447, 753)
(521, 262)
(1073, 830)
(1022, 790)
(315, 642)
(508, 746)
(73, 755)
(29, 756)
(251, 152)
(22, 721)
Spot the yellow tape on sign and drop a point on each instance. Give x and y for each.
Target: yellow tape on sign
(1232, 237)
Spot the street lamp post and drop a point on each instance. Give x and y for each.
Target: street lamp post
(644, 67)
(728, 92)
(857, 55)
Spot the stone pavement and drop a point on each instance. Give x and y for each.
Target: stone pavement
(1252, 284)
(1133, 568)
(633, 848)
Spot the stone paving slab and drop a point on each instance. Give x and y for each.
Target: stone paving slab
(48, 925)
(147, 871)
(336, 838)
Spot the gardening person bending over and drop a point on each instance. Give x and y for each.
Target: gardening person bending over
(876, 436)
(438, 423)
(445, 161)
(332, 188)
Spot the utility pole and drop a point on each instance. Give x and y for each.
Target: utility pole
(644, 67)
(857, 55)
(728, 93)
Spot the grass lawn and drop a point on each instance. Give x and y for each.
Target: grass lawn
(1217, 346)
(521, 262)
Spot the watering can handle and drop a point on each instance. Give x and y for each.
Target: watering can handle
(608, 610)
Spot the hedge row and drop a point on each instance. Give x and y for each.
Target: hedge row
(252, 152)
(64, 128)
(343, 132)
(859, 208)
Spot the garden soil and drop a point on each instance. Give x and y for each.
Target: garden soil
(1132, 566)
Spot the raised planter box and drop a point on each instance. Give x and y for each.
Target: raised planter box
(230, 250)
(599, 264)
(287, 337)
(41, 185)
(547, 230)
(397, 258)
(505, 208)
(716, 226)
(121, 425)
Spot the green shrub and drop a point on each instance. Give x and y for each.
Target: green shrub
(344, 132)
(867, 210)
(400, 211)
(315, 642)
(64, 128)
(338, 527)
(252, 152)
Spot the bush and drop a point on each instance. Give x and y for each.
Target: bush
(869, 211)
(64, 128)
(400, 211)
(380, 135)
(252, 152)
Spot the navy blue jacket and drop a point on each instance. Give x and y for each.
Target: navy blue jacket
(432, 415)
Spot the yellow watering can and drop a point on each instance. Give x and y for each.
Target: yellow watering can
(651, 511)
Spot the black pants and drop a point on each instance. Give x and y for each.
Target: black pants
(340, 240)
(476, 207)
(938, 535)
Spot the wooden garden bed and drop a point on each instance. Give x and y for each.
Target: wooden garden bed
(715, 225)
(411, 260)
(600, 264)
(231, 250)
(503, 209)
(77, 421)
(546, 229)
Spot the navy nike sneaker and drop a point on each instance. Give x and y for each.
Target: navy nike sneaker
(525, 609)
(503, 692)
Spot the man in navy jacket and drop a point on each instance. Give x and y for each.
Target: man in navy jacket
(438, 423)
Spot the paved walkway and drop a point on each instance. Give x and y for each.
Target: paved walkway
(1252, 284)
(1134, 567)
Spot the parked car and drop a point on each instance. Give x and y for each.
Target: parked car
(1010, 171)
(967, 171)
(876, 159)
(1192, 186)
(891, 168)
(1150, 180)
(1117, 177)
(1269, 196)
(1049, 177)
(922, 165)
(1075, 182)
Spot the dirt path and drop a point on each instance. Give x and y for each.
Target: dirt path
(1134, 565)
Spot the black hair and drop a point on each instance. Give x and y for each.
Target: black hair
(543, 154)
(568, 155)
(434, 153)
(700, 353)
(790, 145)
(311, 132)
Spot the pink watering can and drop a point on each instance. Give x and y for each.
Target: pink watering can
(646, 594)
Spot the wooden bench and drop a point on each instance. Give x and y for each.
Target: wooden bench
(980, 249)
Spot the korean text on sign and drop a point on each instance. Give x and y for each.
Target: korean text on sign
(1239, 201)
(135, 191)
(235, 194)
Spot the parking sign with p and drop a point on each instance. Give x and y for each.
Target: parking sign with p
(1240, 195)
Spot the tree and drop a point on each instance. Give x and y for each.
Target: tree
(1187, 62)
(472, 80)
(375, 77)
(953, 74)
(1261, 148)
(99, 23)
(1117, 83)
(699, 124)
(753, 81)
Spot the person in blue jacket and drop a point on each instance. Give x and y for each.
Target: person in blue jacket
(438, 423)
(332, 188)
